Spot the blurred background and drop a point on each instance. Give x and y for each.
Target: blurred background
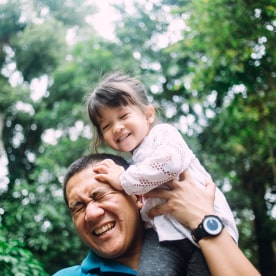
(210, 65)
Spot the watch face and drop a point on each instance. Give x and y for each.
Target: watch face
(212, 225)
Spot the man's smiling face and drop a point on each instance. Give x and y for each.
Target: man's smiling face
(107, 220)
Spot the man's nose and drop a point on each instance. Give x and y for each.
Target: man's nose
(93, 211)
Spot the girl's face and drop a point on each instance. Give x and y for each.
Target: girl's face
(124, 127)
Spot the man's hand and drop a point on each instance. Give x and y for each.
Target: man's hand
(109, 171)
(186, 201)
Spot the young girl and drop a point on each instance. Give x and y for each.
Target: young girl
(125, 120)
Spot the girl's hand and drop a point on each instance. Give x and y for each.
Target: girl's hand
(108, 171)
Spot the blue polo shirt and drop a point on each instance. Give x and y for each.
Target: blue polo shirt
(95, 265)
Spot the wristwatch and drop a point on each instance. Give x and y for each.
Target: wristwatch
(210, 226)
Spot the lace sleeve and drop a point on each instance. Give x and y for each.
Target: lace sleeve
(161, 157)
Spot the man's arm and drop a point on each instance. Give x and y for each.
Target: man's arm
(189, 203)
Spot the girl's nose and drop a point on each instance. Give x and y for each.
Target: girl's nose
(93, 211)
(118, 127)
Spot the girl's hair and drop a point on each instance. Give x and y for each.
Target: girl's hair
(115, 90)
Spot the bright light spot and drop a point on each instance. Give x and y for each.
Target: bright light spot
(185, 108)
(257, 13)
(170, 111)
(18, 137)
(87, 133)
(57, 192)
(25, 201)
(270, 196)
(4, 180)
(76, 130)
(198, 108)
(182, 124)
(16, 194)
(190, 119)
(51, 136)
(27, 108)
(212, 97)
(38, 218)
(31, 156)
(45, 226)
(226, 187)
(173, 34)
(24, 192)
(210, 113)
(16, 79)
(103, 20)
(155, 88)
(273, 212)
(137, 55)
(38, 88)
(240, 89)
(71, 36)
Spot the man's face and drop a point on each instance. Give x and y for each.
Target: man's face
(107, 220)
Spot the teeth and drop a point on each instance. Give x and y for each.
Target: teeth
(123, 137)
(104, 229)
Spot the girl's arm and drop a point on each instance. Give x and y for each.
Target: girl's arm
(189, 204)
(161, 157)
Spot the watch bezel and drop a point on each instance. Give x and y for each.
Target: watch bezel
(206, 226)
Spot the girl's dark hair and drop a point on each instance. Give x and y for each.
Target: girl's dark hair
(115, 90)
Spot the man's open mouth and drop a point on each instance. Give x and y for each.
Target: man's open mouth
(102, 230)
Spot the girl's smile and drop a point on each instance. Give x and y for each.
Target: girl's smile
(124, 127)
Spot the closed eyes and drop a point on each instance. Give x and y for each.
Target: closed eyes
(77, 207)
(80, 206)
(105, 127)
(124, 116)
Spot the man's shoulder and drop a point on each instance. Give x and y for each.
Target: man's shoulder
(73, 270)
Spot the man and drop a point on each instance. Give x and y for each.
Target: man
(108, 221)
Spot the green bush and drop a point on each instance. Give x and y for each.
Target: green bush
(16, 260)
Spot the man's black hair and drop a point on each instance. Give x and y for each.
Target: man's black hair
(87, 160)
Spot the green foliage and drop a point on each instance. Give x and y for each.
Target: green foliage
(70, 13)
(237, 68)
(216, 83)
(16, 260)
(10, 20)
(36, 49)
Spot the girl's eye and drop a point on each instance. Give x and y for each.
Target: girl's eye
(105, 127)
(124, 116)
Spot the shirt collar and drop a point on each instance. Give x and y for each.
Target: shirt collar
(94, 262)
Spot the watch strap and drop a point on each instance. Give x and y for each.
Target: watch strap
(199, 233)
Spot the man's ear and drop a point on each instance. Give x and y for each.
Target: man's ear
(150, 113)
(139, 201)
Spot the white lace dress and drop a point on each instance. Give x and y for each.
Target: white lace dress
(161, 157)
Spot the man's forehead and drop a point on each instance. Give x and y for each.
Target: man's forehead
(85, 179)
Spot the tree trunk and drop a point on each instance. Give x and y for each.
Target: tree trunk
(263, 229)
